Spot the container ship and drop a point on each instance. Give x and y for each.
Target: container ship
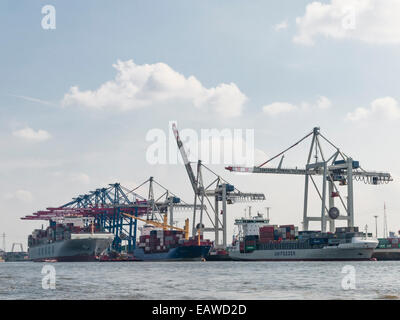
(158, 244)
(387, 249)
(68, 241)
(257, 240)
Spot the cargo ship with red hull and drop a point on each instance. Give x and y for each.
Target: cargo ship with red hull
(157, 244)
(68, 242)
(259, 241)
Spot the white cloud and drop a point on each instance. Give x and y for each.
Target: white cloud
(31, 135)
(381, 109)
(370, 21)
(138, 86)
(20, 195)
(323, 103)
(282, 25)
(276, 108)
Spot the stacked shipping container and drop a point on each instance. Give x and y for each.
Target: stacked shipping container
(388, 243)
(56, 232)
(268, 234)
(164, 240)
(288, 237)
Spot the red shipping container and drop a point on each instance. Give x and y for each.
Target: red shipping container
(266, 236)
(270, 235)
(267, 228)
(266, 232)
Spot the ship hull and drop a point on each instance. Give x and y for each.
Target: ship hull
(182, 253)
(72, 250)
(323, 254)
(386, 254)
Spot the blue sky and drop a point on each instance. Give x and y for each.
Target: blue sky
(217, 42)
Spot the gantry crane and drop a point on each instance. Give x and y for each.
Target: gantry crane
(114, 207)
(219, 189)
(336, 168)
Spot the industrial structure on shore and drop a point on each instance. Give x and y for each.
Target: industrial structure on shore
(337, 168)
(337, 244)
(116, 211)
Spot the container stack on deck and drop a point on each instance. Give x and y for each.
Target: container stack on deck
(56, 232)
(388, 243)
(288, 237)
(269, 234)
(388, 249)
(164, 240)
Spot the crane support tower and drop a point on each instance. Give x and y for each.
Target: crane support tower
(336, 168)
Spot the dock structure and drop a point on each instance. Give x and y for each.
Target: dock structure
(335, 168)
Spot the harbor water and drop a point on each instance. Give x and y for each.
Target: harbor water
(202, 280)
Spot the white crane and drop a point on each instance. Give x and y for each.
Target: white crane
(336, 168)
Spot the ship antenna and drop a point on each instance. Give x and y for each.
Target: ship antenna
(267, 208)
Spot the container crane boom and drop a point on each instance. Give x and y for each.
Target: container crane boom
(186, 162)
(384, 176)
(344, 170)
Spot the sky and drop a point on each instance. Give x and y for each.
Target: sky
(78, 102)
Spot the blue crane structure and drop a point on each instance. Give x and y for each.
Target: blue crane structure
(106, 208)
